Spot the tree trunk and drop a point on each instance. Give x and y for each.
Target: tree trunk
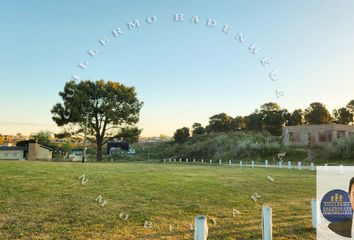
(99, 152)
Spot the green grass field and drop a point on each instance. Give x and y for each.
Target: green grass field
(46, 200)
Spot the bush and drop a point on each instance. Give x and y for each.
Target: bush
(231, 145)
(342, 148)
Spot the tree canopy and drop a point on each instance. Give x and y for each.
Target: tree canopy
(317, 113)
(181, 135)
(107, 106)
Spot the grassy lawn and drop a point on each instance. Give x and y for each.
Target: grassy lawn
(46, 200)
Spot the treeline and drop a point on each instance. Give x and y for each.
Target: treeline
(269, 117)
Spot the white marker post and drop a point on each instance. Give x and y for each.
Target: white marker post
(180, 160)
(314, 213)
(299, 165)
(169, 159)
(164, 160)
(266, 164)
(289, 164)
(211, 162)
(252, 163)
(267, 223)
(230, 162)
(194, 160)
(219, 161)
(280, 164)
(200, 228)
(202, 160)
(174, 159)
(186, 160)
(240, 164)
(312, 167)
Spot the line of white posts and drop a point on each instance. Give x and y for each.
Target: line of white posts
(266, 163)
(201, 223)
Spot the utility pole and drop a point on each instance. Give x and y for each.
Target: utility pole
(85, 137)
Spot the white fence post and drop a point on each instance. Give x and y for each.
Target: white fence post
(202, 160)
(266, 163)
(211, 162)
(220, 161)
(299, 165)
(280, 164)
(186, 159)
(164, 160)
(174, 159)
(240, 164)
(200, 228)
(252, 163)
(289, 164)
(169, 159)
(312, 167)
(180, 160)
(267, 223)
(230, 163)
(193, 160)
(314, 213)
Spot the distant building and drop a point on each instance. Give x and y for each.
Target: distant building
(315, 135)
(117, 146)
(32, 151)
(13, 153)
(76, 154)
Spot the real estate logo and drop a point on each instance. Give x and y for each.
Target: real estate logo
(335, 206)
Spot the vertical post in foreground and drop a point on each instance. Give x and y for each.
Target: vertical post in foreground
(252, 163)
(230, 163)
(314, 213)
(240, 164)
(267, 223)
(200, 228)
(85, 138)
(266, 163)
(299, 165)
(312, 167)
(289, 164)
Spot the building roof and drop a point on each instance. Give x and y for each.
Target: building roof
(45, 147)
(333, 126)
(13, 148)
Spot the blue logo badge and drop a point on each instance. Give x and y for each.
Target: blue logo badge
(335, 206)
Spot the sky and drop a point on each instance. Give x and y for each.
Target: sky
(184, 71)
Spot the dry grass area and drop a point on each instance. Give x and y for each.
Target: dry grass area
(47, 200)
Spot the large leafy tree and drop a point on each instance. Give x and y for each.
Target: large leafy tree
(350, 106)
(317, 113)
(129, 134)
(107, 107)
(296, 118)
(197, 129)
(220, 123)
(238, 123)
(181, 135)
(43, 138)
(342, 116)
(254, 121)
(273, 118)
